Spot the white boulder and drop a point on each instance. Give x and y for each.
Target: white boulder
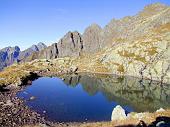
(118, 113)
(160, 110)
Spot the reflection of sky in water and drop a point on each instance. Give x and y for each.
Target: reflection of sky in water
(76, 99)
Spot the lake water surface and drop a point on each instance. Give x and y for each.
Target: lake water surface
(91, 97)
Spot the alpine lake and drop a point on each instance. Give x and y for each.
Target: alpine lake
(92, 97)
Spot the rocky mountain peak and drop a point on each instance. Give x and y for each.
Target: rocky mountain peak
(11, 49)
(70, 45)
(34, 48)
(152, 9)
(93, 26)
(156, 6)
(41, 46)
(17, 48)
(91, 38)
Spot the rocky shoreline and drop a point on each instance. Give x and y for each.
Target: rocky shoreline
(14, 113)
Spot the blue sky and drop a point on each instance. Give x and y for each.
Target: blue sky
(27, 22)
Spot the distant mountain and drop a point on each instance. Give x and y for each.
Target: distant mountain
(34, 48)
(9, 55)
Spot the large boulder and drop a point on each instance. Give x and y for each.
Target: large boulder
(118, 113)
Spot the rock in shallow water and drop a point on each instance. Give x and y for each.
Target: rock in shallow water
(32, 98)
(118, 113)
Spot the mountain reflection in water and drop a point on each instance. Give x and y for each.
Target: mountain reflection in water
(143, 95)
(92, 97)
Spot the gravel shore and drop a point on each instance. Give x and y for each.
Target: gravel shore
(14, 113)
